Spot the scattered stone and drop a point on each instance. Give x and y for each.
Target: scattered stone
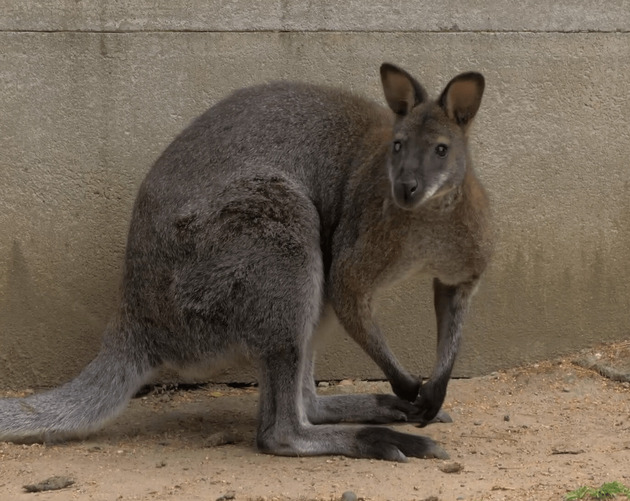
(220, 438)
(451, 467)
(161, 464)
(349, 496)
(323, 384)
(506, 417)
(477, 423)
(431, 498)
(227, 496)
(50, 484)
(557, 450)
(593, 362)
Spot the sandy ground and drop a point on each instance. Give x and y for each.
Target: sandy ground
(532, 433)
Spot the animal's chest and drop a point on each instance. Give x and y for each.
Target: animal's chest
(447, 251)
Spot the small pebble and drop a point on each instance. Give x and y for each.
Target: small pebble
(50, 484)
(451, 467)
(506, 417)
(227, 496)
(348, 496)
(220, 438)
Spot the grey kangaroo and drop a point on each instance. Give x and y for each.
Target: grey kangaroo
(282, 204)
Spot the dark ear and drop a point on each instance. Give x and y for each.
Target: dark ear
(402, 92)
(462, 96)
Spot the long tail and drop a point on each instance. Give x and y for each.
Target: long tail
(99, 393)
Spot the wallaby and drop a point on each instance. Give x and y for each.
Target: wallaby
(280, 203)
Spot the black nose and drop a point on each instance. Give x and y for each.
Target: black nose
(409, 189)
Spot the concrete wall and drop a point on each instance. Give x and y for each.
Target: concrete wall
(91, 92)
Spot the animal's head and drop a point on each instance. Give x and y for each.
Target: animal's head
(428, 153)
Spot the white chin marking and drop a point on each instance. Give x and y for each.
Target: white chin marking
(435, 187)
(429, 193)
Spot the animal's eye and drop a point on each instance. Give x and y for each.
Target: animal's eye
(397, 146)
(441, 150)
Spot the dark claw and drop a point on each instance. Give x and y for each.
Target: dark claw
(441, 417)
(438, 453)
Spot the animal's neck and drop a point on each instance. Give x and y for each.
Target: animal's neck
(447, 202)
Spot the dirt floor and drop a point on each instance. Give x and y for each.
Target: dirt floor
(531, 433)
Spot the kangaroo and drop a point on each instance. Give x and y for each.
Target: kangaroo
(281, 204)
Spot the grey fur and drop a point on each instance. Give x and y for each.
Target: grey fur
(280, 200)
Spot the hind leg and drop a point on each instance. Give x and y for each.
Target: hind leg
(284, 427)
(286, 406)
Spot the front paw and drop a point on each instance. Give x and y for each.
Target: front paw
(393, 409)
(406, 388)
(430, 402)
